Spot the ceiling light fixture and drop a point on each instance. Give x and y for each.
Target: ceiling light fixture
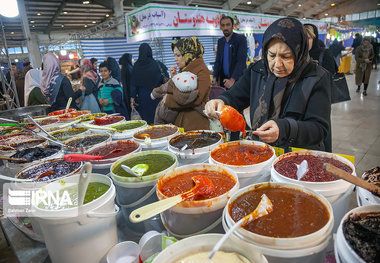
(304, 18)
(85, 25)
(249, 2)
(10, 9)
(63, 52)
(33, 26)
(299, 5)
(326, 14)
(32, 21)
(107, 15)
(65, 13)
(94, 22)
(62, 25)
(16, 60)
(38, 14)
(86, 2)
(333, 4)
(12, 33)
(71, 56)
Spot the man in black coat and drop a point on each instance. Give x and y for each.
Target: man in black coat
(231, 55)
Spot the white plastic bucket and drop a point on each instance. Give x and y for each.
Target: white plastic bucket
(206, 242)
(155, 144)
(198, 155)
(87, 237)
(196, 217)
(308, 248)
(365, 197)
(337, 192)
(343, 251)
(248, 174)
(133, 194)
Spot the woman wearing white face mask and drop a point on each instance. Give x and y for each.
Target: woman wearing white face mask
(288, 94)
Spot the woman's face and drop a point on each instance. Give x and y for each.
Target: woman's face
(95, 64)
(178, 58)
(280, 58)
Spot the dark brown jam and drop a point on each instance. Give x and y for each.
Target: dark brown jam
(156, 132)
(54, 169)
(87, 141)
(36, 153)
(195, 140)
(362, 232)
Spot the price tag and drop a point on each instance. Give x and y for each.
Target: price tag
(181, 130)
(295, 149)
(278, 151)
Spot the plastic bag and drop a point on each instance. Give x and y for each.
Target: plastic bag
(135, 115)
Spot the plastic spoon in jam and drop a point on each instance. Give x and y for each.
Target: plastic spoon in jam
(87, 157)
(265, 207)
(84, 180)
(302, 169)
(203, 186)
(138, 170)
(68, 104)
(331, 169)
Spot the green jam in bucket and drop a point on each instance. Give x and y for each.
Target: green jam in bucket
(156, 163)
(128, 125)
(94, 191)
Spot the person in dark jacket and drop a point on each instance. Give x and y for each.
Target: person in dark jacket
(375, 47)
(231, 55)
(336, 50)
(288, 94)
(320, 54)
(146, 75)
(356, 43)
(126, 75)
(55, 87)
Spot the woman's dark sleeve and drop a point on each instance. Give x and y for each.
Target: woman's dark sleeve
(68, 89)
(238, 96)
(315, 125)
(89, 85)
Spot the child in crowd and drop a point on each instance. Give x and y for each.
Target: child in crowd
(186, 84)
(109, 89)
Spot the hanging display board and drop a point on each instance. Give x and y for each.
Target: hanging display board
(156, 20)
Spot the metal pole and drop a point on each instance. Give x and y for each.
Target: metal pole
(12, 84)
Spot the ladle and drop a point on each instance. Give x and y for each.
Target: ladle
(203, 186)
(265, 207)
(84, 180)
(331, 169)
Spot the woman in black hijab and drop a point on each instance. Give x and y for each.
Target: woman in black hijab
(288, 94)
(319, 53)
(147, 74)
(126, 74)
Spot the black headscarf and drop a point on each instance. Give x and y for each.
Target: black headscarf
(291, 32)
(336, 48)
(115, 69)
(126, 71)
(146, 72)
(126, 74)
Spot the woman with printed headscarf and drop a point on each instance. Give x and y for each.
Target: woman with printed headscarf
(363, 56)
(186, 108)
(147, 74)
(288, 93)
(55, 87)
(90, 83)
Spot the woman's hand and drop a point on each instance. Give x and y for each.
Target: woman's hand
(82, 88)
(366, 60)
(268, 132)
(133, 103)
(105, 102)
(212, 106)
(173, 71)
